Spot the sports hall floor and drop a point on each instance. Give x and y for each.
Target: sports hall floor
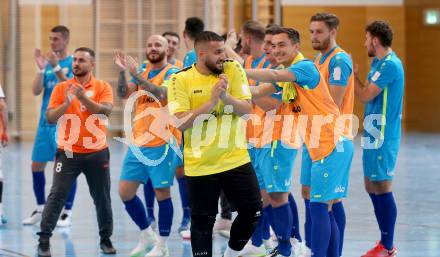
(416, 188)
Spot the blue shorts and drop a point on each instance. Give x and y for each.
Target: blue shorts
(45, 145)
(161, 172)
(256, 154)
(379, 163)
(329, 180)
(275, 166)
(306, 167)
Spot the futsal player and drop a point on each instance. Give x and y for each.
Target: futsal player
(382, 95)
(53, 67)
(311, 98)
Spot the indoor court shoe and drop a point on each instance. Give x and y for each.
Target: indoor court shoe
(107, 246)
(275, 253)
(43, 249)
(159, 251)
(305, 252)
(268, 244)
(33, 219)
(380, 251)
(223, 227)
(65, 220)
(252, 250)
(184, 225)
(185, 234)
(147, 239)
(299, 249)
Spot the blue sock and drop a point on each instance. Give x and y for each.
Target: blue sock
(388, 215)
(149, 198)
(267, 214)
(373, 197)
(136, 210)
(257, 236)
(166, 212)
(333, 247)
(183, 197)
(295, 221)
(339, 215)
(282, 221)
(308, 224)
(321, 229)
(70, 197)
(39, 182)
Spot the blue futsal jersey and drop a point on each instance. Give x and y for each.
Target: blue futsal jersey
(388, 75)
(190, 58)
(50, 80)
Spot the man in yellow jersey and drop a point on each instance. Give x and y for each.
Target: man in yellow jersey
(336, 67)
(210, 96)
(331, 155)
(173, 48)
(146, 142)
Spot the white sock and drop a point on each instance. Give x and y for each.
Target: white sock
(40, 208)
(231, 253)
(148, 231)
(68, 212)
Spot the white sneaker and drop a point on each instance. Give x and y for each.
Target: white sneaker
(268, 244)
(185, 234)
(223, 227)
(65, 220)
(159, 251)
(33, 219)
(252, 250)
(305, 251)
(147, 240)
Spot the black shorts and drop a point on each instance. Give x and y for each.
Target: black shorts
(240, 186)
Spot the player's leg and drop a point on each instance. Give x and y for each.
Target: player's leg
(329, 182)
(96, 169)
(241, 188)
(149, 202)
(305, 180)
(162, 178)
(278, 168)
(260, 242)
(379, 167)
(186, 218)
(65, 173)
(134, 173)
(203, 195)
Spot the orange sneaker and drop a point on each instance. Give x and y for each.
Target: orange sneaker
(380, 251)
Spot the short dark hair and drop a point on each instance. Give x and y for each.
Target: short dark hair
(61, 29)
(207, 36)
(254, 29)
(291, 33)
(194, 26)
(86, 49)
(171, 33)
(330, 19)
(271, 28)
(382, 30)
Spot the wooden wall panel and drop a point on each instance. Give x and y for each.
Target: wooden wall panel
(422, 76)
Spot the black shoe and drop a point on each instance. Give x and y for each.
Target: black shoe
(44, 248)
(107, 246)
